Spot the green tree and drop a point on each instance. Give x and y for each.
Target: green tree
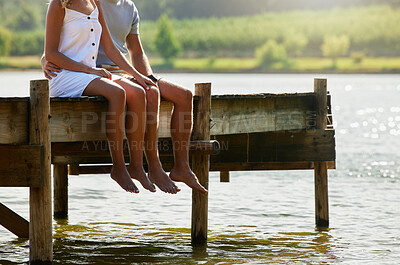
(166, 44)
(26, 18)
(27, 43)
(270, 53)
(5, 41)
(295, 43)
(335, 46)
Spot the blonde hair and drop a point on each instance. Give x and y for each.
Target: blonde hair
(65, 3)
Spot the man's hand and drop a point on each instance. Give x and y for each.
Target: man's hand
(145, 82)
(49, 69)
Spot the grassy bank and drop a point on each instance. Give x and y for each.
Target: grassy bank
(297, 65)
(20, 62)
(221, 65)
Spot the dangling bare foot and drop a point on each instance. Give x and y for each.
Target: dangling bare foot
(185, 174)
(139, 174)
(163, 182)
(122, 177)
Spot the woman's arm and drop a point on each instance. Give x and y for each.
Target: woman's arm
(54, 23)
(115, 55)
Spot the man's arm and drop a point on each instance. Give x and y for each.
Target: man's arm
(138, 56)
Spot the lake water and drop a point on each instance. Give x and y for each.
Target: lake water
(259, 217)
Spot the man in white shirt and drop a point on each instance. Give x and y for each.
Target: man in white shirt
(122, 19)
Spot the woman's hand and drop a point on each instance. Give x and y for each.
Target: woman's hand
(144, 81)
(100, 72)
(50, 70)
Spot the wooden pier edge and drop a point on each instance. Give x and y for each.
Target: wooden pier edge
(40, 225)
(321, 168)
(201, 163)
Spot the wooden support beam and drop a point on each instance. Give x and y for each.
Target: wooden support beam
(40, 225)
(220, 167)
(13, 222)
(321, 168)
(224, 176)
(73, 169)
(21, 166)
(249, 166)
(60, 176)
(201, 163)
(72, 153)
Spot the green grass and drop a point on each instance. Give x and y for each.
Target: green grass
(368, 65)
(20, 62)
(308, 64)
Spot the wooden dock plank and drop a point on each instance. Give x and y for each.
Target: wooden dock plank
(285, 146)
(14, 120)
(21, 166)
(82, 119)
(309, 145)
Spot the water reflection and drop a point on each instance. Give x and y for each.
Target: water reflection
(260, 217)
(112, 243)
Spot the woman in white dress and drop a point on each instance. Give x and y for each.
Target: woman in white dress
(74, 31)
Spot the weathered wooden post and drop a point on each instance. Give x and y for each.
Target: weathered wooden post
(321, 168)
(60, 176)
(224, 176)
(201, 162)
(40, 225)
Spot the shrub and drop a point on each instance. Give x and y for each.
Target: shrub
(295, 43)
(357, 57)
(28, 43)
(166, 44)
(270, 53)
(26, 18)
(335, 46)
(5, 41)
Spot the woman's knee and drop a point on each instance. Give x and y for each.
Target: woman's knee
(108, 89)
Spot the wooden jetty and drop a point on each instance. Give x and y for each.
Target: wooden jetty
(230, 133)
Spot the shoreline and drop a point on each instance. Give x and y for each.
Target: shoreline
(186, 71)
(246, 71)
(312, 65)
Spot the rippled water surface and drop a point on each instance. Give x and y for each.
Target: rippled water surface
(257, 218)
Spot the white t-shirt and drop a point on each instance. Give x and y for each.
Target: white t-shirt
(122, 18)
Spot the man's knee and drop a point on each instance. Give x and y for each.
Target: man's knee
(186, 101)
(153, 96)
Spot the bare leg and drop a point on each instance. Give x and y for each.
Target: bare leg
(135, 129)
(114, 127)
(181, 128)
(156, 172)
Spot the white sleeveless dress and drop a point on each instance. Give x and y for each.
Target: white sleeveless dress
(79, 40)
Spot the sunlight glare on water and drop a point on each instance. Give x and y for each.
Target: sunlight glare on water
(257, 218)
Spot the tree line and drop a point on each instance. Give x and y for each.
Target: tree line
(369, 31)
(184, 9)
